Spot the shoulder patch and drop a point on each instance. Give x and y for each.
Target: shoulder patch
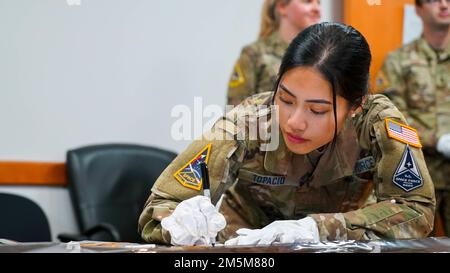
(237, 78)
(190, 174)
(407, 176)
(403, 133)
(381, 82)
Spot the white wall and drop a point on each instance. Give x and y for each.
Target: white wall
(412, 24)
(111, 71)
(332, 10)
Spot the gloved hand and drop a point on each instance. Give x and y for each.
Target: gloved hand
(194, 222)
(443, 145)
(283, 232)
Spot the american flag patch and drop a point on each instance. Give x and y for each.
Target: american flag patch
(403, 133)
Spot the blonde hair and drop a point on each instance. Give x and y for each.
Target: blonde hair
(270, 20)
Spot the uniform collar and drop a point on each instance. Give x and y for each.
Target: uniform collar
(277, 44)
(445, 54)
(338, 162)
(278, 160)
(430, 53)
(333, 163)
(425, 48)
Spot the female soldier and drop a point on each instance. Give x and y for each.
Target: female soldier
(257, 67)
(347, 166)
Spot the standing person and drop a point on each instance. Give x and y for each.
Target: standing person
(417, 79)
(346, 166)
(257, 67)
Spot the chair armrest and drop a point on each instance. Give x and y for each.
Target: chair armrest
(87, 234)
(66, 237)
(112, 230)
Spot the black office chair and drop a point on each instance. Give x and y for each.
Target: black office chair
(22, 219)
(109, 185)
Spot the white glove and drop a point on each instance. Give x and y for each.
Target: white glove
(443, 145)
(283, 232)
(194, 222)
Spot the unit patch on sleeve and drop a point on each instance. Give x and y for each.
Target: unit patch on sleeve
(407, 176)
(190, 174)
(381, 82)
(237, 78)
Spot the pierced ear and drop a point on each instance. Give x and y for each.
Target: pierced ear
(354, 111)
(280, 8)
(358, 108)
(351, 114)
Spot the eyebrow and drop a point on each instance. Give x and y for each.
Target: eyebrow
(322, 101)
(284, 88)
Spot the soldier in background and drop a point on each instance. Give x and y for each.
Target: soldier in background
(344, 165)
(257, 67)
(417, 79)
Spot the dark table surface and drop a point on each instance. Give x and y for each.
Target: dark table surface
(427, 245)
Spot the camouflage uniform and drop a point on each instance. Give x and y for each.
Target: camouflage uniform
(256, 69)
(417, 79)
(349, 190)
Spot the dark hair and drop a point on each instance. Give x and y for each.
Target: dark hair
(419, 3)
(340, 53)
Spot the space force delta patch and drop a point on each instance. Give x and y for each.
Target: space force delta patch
(407, 176)
(190, 174)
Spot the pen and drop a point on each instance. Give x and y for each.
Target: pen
(205, 179)
(206, 190)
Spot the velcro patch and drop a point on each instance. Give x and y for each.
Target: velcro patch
(237, 78)
(364, 165)
(381, 82)
(190, 174)
(269, 180)
(407, 176)
(403, 133)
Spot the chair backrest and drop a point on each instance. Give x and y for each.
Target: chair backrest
(22, 219)
(110, 183)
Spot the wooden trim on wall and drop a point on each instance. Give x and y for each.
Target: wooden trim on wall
(33, 173)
